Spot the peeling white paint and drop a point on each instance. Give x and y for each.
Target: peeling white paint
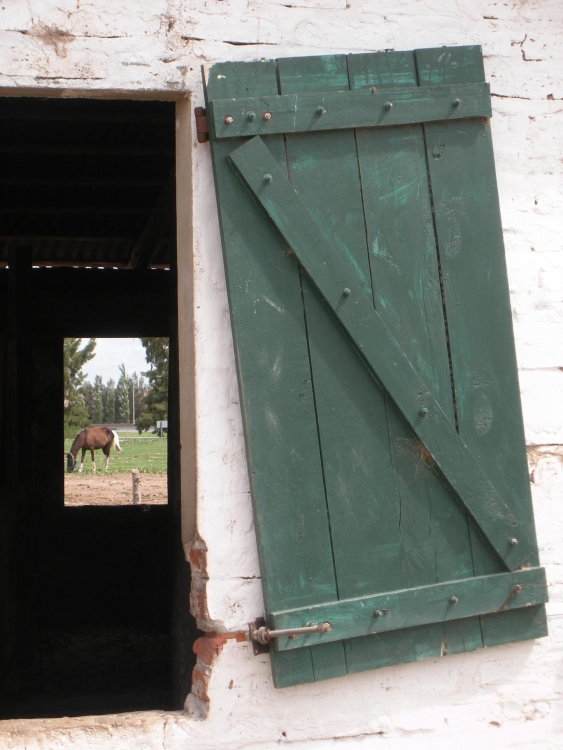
(504, 697)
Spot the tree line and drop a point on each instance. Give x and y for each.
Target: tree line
(142, 399)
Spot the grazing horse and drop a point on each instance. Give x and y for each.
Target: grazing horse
(92, 439)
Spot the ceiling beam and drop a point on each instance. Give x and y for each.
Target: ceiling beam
(69, 210)
(87, 116)
(83, 150)
(80, 181)
(156, 226)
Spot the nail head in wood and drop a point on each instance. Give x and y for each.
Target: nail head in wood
(380, 612)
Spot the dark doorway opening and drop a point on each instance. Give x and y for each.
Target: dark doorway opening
(93, 600)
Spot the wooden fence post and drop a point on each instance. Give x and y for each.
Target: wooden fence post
(136, 486)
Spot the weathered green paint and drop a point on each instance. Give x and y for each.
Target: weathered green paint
(348, 504)
(336, 110)
(407, 295)
(477, 300)
(362, 493)
(313, 160)
(382, 354)
(275, 384)
(438, 66)
(422, 605)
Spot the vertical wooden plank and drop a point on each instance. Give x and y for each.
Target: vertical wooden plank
(350, 410)
(275, 383)
(394, 647)
(467, 214)
(407, 294)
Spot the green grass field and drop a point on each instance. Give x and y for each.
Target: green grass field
(142, 453)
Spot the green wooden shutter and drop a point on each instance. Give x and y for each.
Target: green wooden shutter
(373, 336)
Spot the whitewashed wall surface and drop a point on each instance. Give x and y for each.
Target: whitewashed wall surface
(503, 697)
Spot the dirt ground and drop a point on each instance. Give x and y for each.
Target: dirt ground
(113, 489)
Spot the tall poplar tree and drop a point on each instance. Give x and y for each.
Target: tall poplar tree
(75, 357)
(122, 396)
(109, 402)
(157, 353)
(97, 405)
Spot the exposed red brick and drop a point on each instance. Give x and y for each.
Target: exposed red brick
(209, 646)
(198, 558)
(200, 682)
(198, 600)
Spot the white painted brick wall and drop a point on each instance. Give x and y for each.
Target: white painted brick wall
(505, 697)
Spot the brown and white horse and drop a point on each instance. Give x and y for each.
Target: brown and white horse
(92, 439)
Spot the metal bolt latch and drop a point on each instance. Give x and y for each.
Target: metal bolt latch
(380, 612)
(266, 116)
(264, 635)
(250, 116)
(387, 106)
(513, 542)
(456, 102)
(423, 411)
(320, 111)
(228, 119)
(267, 178)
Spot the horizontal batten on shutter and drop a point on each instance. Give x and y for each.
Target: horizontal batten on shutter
(337, 110)
(424, 605)
(381, 352)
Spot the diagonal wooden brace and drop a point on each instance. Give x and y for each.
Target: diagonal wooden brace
(380, 351)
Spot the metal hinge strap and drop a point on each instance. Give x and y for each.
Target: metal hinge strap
(201, 125)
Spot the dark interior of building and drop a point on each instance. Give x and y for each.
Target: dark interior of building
(93, 600)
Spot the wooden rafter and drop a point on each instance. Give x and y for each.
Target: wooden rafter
(155, 227)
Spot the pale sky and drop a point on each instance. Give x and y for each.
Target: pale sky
(110, 353)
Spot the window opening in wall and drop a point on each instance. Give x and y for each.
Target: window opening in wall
(94, 613)
(116, 405)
